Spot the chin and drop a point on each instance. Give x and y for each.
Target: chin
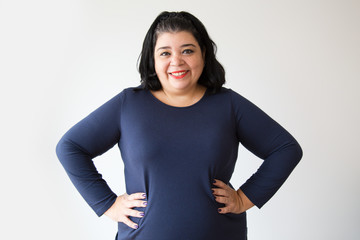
(182, 85)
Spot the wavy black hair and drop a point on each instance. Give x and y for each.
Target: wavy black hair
(213, 75)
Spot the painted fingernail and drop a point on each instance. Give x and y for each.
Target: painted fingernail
(145, 203)
(144, 195)
(214, 181)
(213, 191)
(219, 210)
(142, 214)
(136, 226)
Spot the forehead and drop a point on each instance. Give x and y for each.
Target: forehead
(175, 39)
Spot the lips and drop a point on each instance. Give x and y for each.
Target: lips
(179, 74)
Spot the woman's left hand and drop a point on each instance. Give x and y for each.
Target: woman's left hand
(235, 201)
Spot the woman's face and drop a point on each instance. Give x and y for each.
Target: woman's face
(179, 61)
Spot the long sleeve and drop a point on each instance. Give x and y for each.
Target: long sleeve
(89, 138)
(269, 141)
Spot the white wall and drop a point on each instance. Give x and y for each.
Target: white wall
(298, 60)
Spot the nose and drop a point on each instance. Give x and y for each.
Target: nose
(176, 60)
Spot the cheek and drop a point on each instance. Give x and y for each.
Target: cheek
(160, 67)
(161, 71)
(198, 65)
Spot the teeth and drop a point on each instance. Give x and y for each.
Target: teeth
(178, 73)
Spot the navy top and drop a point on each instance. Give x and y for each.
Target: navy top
(173, 154)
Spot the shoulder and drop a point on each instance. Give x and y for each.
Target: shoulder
(133, 96)
(230, 95)
(224, 92)
(132, 92)
(239, 104)
(120, 97)
(129, 91)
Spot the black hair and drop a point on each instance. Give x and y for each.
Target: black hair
(213, 75)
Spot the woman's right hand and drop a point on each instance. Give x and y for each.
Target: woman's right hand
(123, 208)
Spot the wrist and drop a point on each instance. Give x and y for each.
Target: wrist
(244, 201)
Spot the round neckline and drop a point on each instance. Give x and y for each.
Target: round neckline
(175, 107)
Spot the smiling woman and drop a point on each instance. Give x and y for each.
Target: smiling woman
(179, 133)
(179, 63)
(213, 74)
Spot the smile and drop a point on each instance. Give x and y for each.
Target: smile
(179, 74)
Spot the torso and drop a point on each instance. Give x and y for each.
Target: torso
(172, 154)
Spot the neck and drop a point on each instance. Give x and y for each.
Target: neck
(181, 99)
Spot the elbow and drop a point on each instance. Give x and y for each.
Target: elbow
(65, 150)
(60, 149)
(298, 152)
(68, 152)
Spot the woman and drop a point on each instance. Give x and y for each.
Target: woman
(178, 134)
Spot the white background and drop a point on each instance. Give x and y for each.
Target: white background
(297, 60)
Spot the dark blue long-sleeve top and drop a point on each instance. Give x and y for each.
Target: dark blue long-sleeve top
(173, 154)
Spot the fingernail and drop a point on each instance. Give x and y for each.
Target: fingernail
(213, 191)
(144, 195)
(214, 181)
(136, 226)
(219, 210)
(145, 203)
(142, 214)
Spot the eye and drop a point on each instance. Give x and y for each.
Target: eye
(188, 51)
(164, 54)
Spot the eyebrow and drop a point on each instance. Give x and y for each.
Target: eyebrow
(182, 46)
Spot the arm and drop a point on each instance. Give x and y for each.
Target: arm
(88, 139)
(269, 141)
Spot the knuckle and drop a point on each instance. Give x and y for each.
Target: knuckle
(122, 218)
(133, 203)
(127, 221)
(129, 212)
(225, 209)
(124, 213)
(220, 199)
(134, 213)
(127, 204)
